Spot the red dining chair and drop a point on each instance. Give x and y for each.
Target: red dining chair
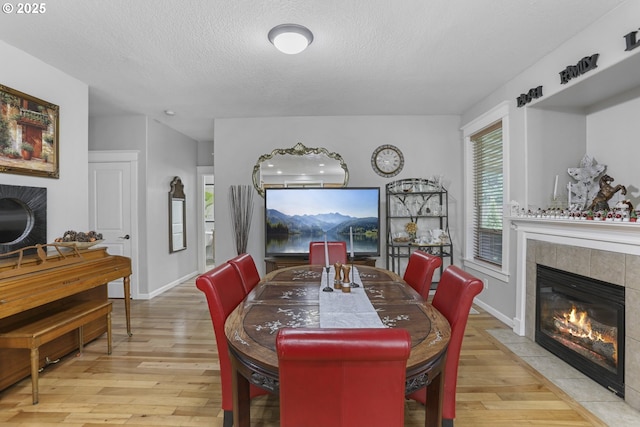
(337, 252)
(224, 291)
(246, 268)
(419, 272)
(342, 377)
(453, 298)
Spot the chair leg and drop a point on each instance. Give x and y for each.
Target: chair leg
(228, 419)
(447, 422)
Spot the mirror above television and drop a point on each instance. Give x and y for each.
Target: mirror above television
(299, 167)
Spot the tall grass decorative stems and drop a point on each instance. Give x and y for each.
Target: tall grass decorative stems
(241, 207)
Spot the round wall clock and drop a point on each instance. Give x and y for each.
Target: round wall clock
(387, 160)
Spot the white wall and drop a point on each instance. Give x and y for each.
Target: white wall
(165, 154)
(546, 143)
(67, 197)
(613, 140)
(205, 153)
(430, 145)
(169, 154)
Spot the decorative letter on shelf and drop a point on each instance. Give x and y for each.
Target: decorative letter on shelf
(630, 39)
(587, 63)
(526, 98)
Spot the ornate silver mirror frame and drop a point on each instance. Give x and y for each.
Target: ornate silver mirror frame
(299, 166)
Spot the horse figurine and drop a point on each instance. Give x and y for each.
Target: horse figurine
(606, 192)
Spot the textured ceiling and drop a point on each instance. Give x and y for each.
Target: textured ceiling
(208, 59)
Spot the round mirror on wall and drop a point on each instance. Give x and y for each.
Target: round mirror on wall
(299, 166)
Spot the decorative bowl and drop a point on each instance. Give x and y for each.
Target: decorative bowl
(78, 245)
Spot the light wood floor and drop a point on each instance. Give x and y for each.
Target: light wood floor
(167, 375)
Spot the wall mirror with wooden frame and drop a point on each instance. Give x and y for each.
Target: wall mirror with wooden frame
(177, 216)
(299, 166)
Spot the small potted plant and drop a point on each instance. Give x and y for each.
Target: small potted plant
(27, 150)
(633, 216)
(11, 153)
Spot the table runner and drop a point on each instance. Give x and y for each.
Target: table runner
(346, 310)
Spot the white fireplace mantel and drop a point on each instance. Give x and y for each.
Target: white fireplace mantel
(622, 237)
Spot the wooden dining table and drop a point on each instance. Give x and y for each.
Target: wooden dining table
(290, 298)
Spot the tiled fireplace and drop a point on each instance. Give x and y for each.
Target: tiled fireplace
(581, 320)
(608, 252)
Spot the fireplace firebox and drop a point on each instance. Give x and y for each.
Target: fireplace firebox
(581, 320)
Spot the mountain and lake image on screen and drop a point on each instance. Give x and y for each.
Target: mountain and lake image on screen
(296, 216)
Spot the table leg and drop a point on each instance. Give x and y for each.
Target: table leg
(435, 394)
(241, 398)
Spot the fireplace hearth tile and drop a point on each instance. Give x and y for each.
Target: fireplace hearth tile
(574, 259)
(552, 367)
(632, 397)
(531, 250)
(608, 266)
(632, 272)
(617, 414)
(506, 336)
(585, 390)
(632, 317)
(527, 349)
(632, 363)
(531, 272)
(546, 254)
(611, 409)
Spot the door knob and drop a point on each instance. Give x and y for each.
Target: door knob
(125, 237)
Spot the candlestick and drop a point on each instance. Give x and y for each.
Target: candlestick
(327, 288)
(351, 240)
(326, 251)
(555, 188)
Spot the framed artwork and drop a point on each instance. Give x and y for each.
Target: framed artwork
(208, 202)
(29, 129)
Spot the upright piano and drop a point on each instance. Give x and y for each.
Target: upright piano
(33, 286)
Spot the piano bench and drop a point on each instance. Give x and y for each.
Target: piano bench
(32, 335)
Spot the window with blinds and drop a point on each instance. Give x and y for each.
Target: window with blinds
(488, 185)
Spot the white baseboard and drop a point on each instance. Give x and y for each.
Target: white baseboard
(168, 286)
(495, 313)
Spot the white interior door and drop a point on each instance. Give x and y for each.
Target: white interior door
(110, 212)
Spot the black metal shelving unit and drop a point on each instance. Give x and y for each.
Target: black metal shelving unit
(426, 203)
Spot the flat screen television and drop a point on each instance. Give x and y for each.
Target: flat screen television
(296, 216)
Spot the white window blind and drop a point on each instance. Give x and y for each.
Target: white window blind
(488, 186)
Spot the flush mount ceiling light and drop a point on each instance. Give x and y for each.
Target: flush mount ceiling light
(290, 38)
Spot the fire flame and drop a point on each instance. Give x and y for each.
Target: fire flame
(578, 324)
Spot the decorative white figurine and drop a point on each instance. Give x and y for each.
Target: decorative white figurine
(586, 187)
